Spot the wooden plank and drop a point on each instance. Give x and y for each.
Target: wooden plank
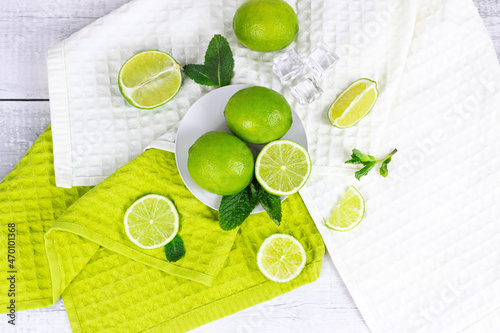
(48, 320)
(21, 123)
(28, 29)
(488, 7)
(490, 12)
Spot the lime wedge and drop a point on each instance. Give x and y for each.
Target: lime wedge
(150, 79)
(349, 211)
(151, 222)
(281, 258)
(353, 104)
(283, 167)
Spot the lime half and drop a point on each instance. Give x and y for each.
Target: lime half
(283, 167)
(151, 222)
(353, 104)
(281, 258)
(150, 79)
(349, 211)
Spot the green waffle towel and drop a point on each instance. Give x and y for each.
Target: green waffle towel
(72, 242)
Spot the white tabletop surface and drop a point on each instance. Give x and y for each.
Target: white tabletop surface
(27, 30)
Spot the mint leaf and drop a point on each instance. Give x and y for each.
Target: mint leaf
(234, 209)
(369, 162)
(270, 202)
(384, 170)
(358, 157)
(353, 161)
(199, 74)
(363, 172)
(219, 61)
(218, 69)
(174, 250)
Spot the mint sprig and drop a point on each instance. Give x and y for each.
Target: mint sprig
(218, 69)
(234, 209)
(369, 162)
(174, 250)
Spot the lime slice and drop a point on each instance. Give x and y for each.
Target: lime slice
(349, 211)
(283, 167)
(150, 79)
(151, 222)
(281, 258)
(353, 104)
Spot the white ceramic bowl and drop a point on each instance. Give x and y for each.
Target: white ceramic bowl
(205, 115)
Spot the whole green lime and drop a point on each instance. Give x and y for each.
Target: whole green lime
(265, 25)
(258, 115)
(220, 163)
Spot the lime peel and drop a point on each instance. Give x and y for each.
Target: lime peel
(220, 163)
(265, 25)
(258, 115)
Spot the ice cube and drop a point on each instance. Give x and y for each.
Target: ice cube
(288, 66)
(321, 59)
(307, 91)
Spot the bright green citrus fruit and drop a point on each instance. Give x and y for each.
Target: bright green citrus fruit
(281, 258)
(353, 104)
(258, 115)
(220, 163)
(150, 79)
(349, 211)
(151, 222)
(265, 25)
(283, 167)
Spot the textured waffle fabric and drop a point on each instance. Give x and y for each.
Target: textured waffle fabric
(108, 283)
(96, 131)
(425, 259)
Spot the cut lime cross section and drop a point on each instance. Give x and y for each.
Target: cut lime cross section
(150, 79)
(281, 258)
(349, 211)
(151, 222)
(283, 167)
(353, 104)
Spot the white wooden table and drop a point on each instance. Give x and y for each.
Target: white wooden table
(27, 29)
